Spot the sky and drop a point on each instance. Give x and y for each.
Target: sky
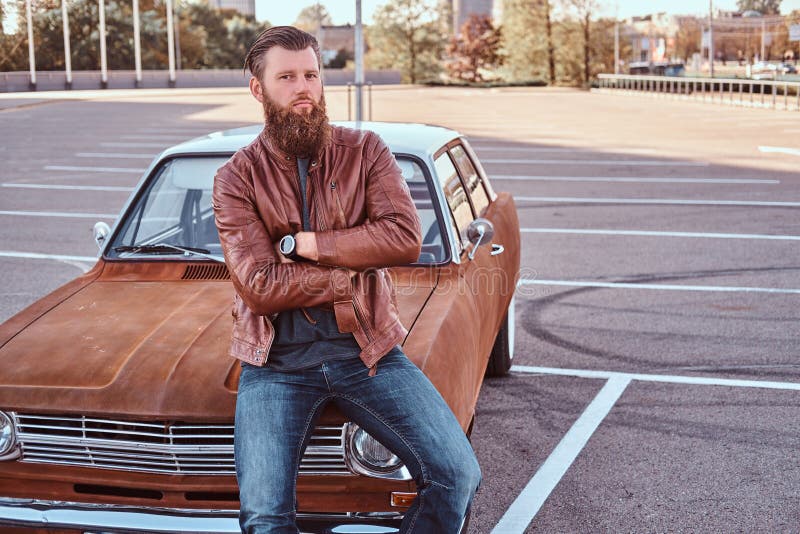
(344, 11)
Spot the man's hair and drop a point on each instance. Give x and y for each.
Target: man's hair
(287, 37)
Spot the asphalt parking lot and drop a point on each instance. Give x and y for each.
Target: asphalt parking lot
(657, 378)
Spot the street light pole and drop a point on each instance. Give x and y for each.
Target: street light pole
(616, 47)
(31, 55)
(359, 59)
(171, 44)
(67, 51)
(103, 58)
(710, 39)
(137, 43)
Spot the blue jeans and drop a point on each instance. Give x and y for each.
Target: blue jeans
(276, 412)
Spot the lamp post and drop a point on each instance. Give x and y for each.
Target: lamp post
(359, 60)
(67, 51)
(137, 44)
(31, 55)
(710, 39)
(103, 58)
(171, 44)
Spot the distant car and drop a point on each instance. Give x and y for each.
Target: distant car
(660, 68)
(117, 394)
(763, 71)
(770, 71)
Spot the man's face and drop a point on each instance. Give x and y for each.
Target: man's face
(290, 78)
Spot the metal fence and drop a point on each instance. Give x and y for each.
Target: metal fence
(126, 79)
(774, 94)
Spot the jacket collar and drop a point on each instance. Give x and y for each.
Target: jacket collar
(285, 159)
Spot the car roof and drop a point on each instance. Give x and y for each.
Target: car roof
(420, 140)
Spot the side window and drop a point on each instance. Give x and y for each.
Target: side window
(470, 176)
(454, 193)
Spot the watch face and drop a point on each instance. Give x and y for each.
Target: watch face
(287, 245)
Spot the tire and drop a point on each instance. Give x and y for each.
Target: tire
(502, 355)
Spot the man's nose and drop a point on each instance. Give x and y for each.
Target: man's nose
(302, 86)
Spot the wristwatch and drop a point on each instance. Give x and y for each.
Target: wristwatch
(288, 246)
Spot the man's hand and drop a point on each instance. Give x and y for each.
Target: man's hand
(307, 245)
(281, 257)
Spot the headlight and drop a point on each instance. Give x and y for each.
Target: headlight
(366, 456)
(8, 438)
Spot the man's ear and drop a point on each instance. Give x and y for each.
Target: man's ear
(256, 89)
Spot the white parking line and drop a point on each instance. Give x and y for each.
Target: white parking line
(134, 145)
(38, 256)
(584, 200)
(156, 136)
(69, 187)
(533, 496)
(633, 162)
(632, 179)
(645, 233)
(94, 169)
(190, 131)
(561, 150)
(671, 379)
(528, 503)
(113, 155)
(59, 214)
(779, 150)
(662, 287)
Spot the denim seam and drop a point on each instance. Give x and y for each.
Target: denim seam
(366, 408)
(299, 445)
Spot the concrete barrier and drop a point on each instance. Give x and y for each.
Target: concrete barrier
(11, 82)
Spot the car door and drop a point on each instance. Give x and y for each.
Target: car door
(498, 261)
(476, 273)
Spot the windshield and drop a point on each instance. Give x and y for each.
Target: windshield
(174, 216)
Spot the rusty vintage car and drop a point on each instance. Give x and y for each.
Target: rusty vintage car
(117, 395)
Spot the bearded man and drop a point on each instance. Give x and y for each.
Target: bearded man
(309, 216)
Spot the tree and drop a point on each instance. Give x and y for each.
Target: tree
(765, 7)
(474, 50)
(551, 54)
(406, 35)
(523, 46)
(584, 10)
(312, 17)
(210, 38)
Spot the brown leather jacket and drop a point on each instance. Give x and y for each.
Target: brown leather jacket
(364, 219)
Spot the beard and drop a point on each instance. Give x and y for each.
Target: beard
(302, 134)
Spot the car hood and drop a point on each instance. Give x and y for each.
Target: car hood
(142, 350)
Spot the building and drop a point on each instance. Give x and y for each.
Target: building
(462, 9)
(336, 42)
(652, 37)
(245, 7)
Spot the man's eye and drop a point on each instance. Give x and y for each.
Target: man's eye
(312, 76)
(285, 77)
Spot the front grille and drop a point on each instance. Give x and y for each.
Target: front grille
(175, 448)
(214, 271)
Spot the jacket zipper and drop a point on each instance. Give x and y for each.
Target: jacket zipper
(338, 202)
(360, 317)
(320, 220)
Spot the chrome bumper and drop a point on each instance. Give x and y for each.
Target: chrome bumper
(105, 518)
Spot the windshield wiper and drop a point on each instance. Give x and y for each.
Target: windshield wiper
(166, 247)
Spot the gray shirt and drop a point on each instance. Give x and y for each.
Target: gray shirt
(303, 342)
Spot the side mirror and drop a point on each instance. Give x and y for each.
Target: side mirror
(101, 231)
(480, 232)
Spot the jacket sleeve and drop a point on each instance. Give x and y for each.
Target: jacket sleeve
(391, 235)
(264, 283)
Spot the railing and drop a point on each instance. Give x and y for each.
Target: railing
(775, 94)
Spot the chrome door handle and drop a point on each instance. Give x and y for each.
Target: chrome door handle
(497, 249)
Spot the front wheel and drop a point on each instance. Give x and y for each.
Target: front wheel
(503, 350)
